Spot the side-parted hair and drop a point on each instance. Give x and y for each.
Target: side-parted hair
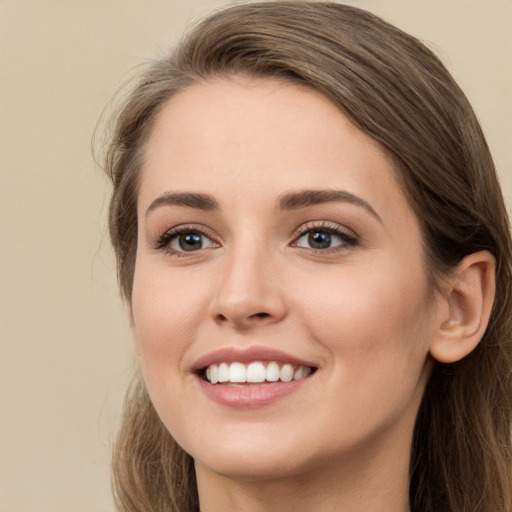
(397, 91)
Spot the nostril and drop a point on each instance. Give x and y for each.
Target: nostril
(261, 315)
(256, 316)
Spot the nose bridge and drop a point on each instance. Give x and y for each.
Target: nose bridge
(248, 290)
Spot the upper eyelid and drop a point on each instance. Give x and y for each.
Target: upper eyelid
(350, 239)
(330, 226)
(163, 239)
(303, 228)
(325, 225)
(183, 228)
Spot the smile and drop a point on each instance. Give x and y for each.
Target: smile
(252, 377)
(256, 372)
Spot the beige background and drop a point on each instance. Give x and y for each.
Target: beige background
(65, 350)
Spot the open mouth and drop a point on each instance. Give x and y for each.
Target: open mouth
(257, 372)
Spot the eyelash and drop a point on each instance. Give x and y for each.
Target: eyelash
(348, 238)
(164, 241)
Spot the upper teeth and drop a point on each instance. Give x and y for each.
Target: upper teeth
(255, 372)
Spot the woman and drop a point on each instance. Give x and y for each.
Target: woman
(314, 247)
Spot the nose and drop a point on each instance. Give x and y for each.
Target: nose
(248, 292)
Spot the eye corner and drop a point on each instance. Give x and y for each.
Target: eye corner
(330, 237)
(186, 241)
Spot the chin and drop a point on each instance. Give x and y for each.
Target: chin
(254, 465)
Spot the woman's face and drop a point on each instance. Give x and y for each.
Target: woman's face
(275, 243)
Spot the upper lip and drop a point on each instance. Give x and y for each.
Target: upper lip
(248, 355)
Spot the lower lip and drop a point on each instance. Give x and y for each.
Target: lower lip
(250, 396)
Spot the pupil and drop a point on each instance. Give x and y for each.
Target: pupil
(319, 240)
(190, 242)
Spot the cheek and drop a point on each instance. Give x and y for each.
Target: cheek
(166, 313)
(378, 320)
(167, 309)
(376, 330)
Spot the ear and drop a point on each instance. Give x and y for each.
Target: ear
(469, 298)
(133, 329)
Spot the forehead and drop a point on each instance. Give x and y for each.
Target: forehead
(245, 135)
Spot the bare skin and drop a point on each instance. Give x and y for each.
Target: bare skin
(268, 222)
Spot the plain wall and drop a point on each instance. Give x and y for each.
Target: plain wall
(65, 347)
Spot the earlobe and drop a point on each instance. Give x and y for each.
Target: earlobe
(470, 298)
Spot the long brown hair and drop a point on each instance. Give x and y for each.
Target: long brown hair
(397, 91)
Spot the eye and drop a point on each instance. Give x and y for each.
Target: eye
(192, 241)
(185, 239)
(325, 237)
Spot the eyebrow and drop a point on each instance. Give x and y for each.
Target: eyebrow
(289, 201)
(187, 199)
(305, 198)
